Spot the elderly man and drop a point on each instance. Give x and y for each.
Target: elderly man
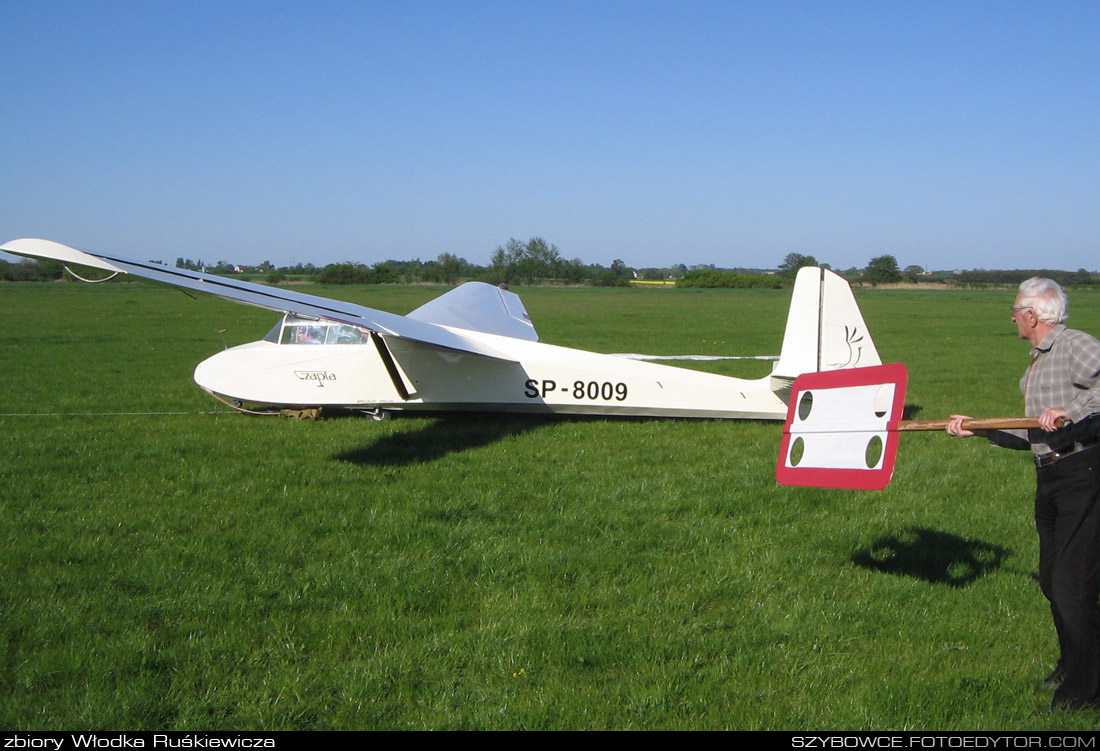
(1062, 388)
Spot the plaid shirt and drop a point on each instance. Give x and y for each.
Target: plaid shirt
(1064, 372)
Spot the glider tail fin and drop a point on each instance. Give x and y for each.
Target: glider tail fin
(825, 330)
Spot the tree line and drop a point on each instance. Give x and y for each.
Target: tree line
(884, 269)
(538, 262)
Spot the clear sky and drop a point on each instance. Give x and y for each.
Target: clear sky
(948, 134)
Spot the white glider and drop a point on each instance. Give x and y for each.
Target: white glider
(475, 348)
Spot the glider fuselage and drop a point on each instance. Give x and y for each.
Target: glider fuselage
(292, 371)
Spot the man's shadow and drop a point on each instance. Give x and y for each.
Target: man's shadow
(438, 436)
(932, 555)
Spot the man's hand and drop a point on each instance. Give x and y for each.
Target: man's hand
(955, 428)
(1048, 421)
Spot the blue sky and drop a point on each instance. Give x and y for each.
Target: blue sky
(948, 134)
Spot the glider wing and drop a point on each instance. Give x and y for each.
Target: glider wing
(479, 307)
(421, 329)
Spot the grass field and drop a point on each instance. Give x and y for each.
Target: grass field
(167, 565)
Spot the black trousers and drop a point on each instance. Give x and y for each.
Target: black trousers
(1067, 516)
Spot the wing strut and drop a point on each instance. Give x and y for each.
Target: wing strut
(391, 366)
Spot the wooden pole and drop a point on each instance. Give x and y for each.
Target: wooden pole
(988, 423)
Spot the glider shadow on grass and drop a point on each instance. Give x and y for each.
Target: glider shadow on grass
(440, 436)
(932, 555)
(453, 432)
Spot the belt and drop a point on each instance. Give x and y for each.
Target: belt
(1053, 457)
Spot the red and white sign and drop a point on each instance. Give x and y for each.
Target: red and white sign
(841, 428)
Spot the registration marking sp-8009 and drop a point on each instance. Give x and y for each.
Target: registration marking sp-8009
(592, 391)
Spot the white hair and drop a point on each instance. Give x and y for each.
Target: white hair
(1046, 298)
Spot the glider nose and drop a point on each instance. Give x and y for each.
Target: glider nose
(212, 374)
(203, 373)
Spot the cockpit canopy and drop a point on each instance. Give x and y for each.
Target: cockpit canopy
(294, 330)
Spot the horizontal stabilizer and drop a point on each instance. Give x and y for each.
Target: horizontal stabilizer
(259, 295)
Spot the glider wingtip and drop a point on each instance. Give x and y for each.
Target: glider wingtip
(33, 247)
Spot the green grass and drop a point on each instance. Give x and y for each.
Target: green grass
(189, 570)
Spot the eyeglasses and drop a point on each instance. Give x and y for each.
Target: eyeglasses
(1016, 310)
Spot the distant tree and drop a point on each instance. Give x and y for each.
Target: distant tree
(540, 260)
(505, 261)
(913, 273)
(610, 279)
(341, 273)
(793, 262)
(882, 270)
(712, 278)
(383, 272)
(450, 267)
(530, 262)
(573, 272)
(27, 270)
